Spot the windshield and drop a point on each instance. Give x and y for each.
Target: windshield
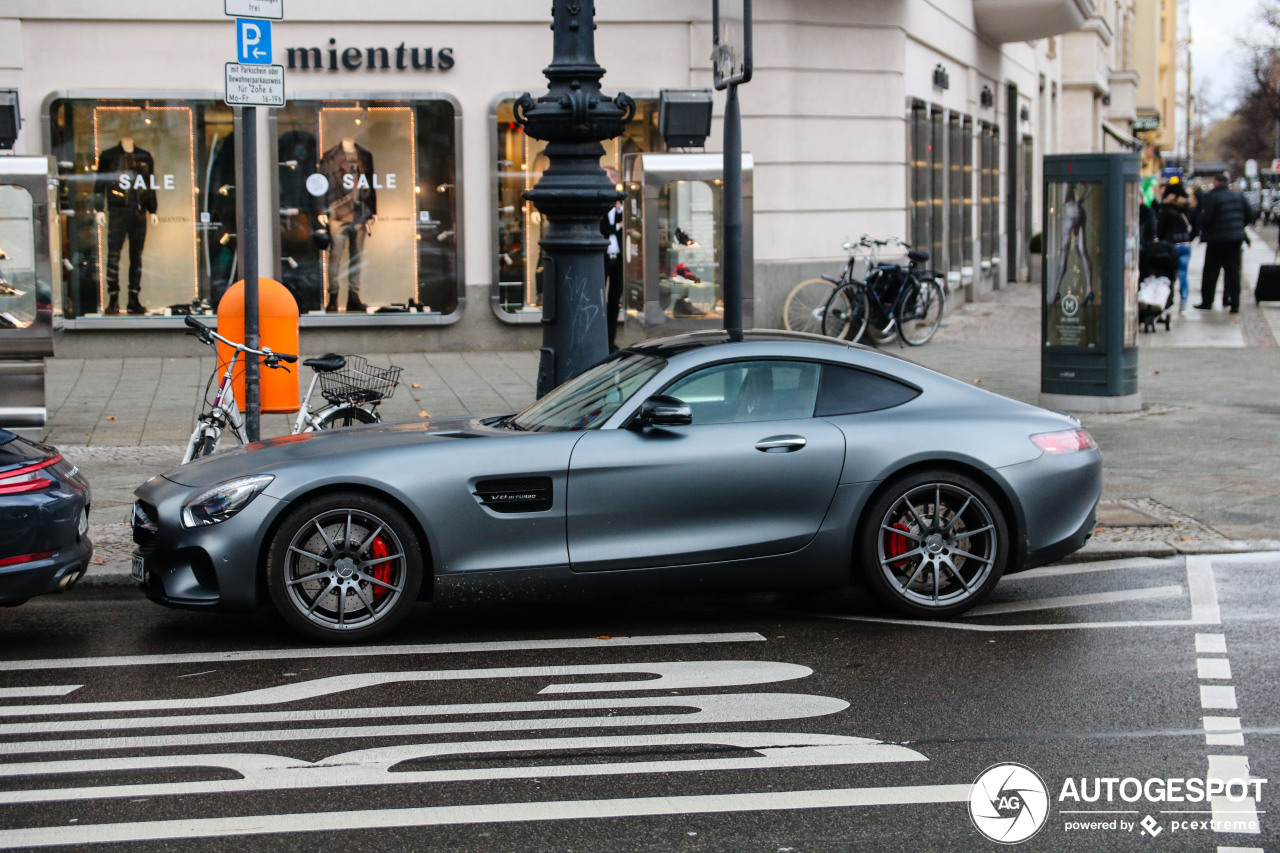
(587, 401)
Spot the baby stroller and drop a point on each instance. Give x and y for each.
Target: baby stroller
(1157, 274)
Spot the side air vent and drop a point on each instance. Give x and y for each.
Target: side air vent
(516, 494)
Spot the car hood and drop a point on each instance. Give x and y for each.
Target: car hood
(263, 455)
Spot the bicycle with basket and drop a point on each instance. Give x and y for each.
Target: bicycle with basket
(351, 388)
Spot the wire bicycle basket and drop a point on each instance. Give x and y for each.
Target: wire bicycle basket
(360, 382)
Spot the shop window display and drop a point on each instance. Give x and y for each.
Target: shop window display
(368, 206)
(521, 161)
(690, 235)
(146, 198)
(18, 285)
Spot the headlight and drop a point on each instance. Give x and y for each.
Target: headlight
(223, 500)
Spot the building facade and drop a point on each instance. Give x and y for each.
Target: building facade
(391, 182)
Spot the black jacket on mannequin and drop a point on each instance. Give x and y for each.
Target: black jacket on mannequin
(356, 204)
(115, 163)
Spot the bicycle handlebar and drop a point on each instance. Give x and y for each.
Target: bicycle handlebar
(208, 336)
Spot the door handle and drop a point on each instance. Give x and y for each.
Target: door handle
(780, 443)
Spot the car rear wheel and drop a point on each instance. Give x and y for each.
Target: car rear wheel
(344, 568)
(934, 544)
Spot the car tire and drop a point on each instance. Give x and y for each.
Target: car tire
(925, 562)
(344, 568)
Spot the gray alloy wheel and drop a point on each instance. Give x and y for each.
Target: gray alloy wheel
(934, 544)
(344, 568)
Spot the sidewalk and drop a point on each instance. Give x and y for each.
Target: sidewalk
(1198, 469)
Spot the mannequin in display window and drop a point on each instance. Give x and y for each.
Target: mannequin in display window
(351, 207)
(124, 200)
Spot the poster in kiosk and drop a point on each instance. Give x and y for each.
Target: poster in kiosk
(1089, 356)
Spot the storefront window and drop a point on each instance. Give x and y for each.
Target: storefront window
(690, 237)
(146, 200)
(520, 163)
(368, 206)
(18, 296)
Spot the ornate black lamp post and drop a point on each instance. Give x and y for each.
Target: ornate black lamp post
(574, 193)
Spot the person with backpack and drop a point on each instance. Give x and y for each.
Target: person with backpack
(1174, 226)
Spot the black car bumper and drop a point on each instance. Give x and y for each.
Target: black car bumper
(43, 547)
(53, 574)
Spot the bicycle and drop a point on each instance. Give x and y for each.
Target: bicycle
(906, 303)
(351, 388)
(805, 306)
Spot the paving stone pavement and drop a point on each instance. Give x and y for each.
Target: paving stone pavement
(1203, 455)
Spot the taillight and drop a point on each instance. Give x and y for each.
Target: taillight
(26, 558)
(1067, 441)
(30, 478)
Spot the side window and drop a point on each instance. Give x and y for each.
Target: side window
(847, 391)
(746, 391)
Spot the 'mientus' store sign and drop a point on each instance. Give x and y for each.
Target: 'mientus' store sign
(399, 58)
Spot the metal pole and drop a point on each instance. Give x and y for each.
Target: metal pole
(732, 214)
(573, 194)
(248, 194)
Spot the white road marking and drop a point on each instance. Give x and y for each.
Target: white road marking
(670, 675)
(1223, 731)
(1211, 644)
(1213, 668)
(1241, 850)
(378, 651)
(996, 629)
(1217, 696)
(315, 715)
(1231, 768)
(1204, 592)
(717, 708)
(374, 766)
(1090, 568)
(1075, 600)
(481, 813)
(30, 692)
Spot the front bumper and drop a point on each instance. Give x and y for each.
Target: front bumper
(215, 567)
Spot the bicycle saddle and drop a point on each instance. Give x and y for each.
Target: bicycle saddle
(917, 257)
(327, 363)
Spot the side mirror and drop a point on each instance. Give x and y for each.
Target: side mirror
(660, 410)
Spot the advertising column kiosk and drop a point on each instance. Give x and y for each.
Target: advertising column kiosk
(1089, 357)
(28, 239)
(673, 244)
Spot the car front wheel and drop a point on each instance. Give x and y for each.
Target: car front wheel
(344, 568)
(934, 544)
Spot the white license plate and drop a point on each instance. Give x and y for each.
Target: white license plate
(139, 570)
(82, 526)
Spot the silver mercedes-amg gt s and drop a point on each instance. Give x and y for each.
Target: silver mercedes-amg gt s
(691, 463)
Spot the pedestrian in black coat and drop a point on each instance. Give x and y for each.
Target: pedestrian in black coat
(1224, 214)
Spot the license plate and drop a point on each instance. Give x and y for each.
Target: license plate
(82, 527)
(139, 570)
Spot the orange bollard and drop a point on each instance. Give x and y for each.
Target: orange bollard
(277, 328)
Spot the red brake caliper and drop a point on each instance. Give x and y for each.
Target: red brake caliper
(382, 571)
(896, 545)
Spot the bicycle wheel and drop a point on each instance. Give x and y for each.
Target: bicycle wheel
(845, 315)
(348, 416)
(919, 310)
(802, 312)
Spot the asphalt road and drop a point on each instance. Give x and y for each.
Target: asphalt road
(694, 724)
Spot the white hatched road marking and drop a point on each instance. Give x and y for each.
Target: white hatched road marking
(1075, 600)
(373, 766)
(378, 651)
(485, 813)
(1216, 668)
(1200, 588)
(717, 708)
(1091, 568)
(1211, 644)
(1218, 696)
(670, 675)
(34, 692)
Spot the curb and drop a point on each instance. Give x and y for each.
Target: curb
(99, 578)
